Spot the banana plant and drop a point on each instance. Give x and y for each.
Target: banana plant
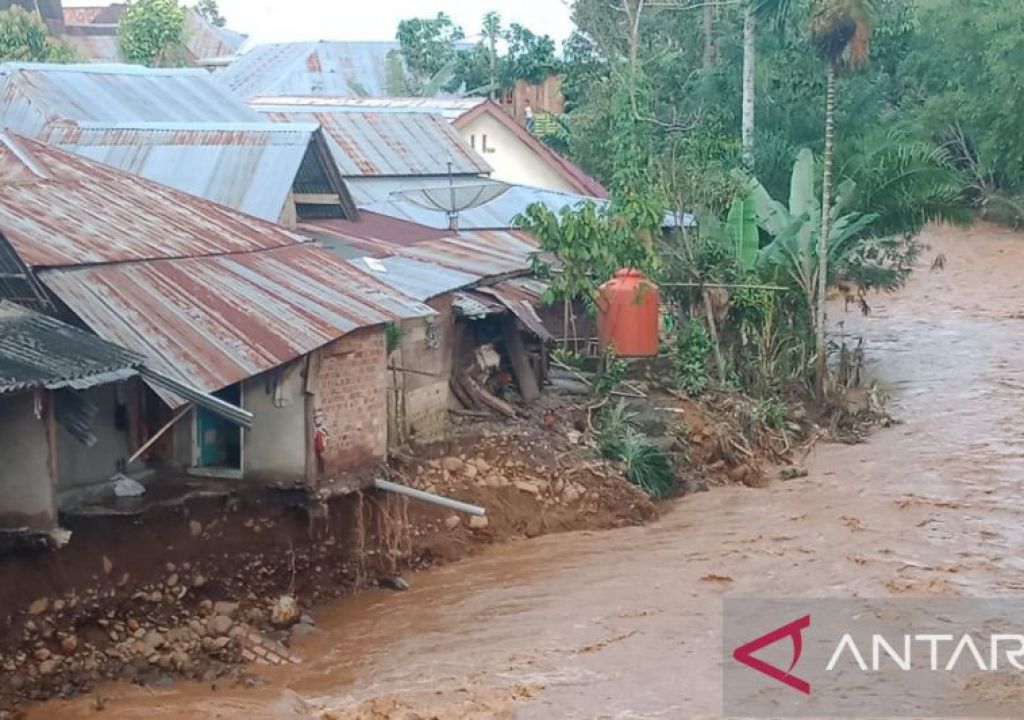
(793, 251)
(741, 228)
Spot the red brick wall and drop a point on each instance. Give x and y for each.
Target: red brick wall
(351, 401)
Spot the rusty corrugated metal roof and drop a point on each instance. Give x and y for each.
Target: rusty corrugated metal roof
(354, 69)
(247, 166)
(213, 321)
(39, 351)
(58, 209)
(419, 280)
(386, 144)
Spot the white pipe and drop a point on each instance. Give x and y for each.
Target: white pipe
(429, 497)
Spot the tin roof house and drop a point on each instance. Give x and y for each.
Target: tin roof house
(180, 128)
(227, 303)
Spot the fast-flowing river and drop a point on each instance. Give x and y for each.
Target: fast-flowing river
(627, 623)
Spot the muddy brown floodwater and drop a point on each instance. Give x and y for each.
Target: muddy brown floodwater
(627, 623)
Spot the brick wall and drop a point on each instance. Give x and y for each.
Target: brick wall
(351, 401)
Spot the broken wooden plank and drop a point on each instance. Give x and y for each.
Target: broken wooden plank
(460, 393)
(520, 362)
(483, 397)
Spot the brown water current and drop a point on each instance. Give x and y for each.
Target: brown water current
(627, 623)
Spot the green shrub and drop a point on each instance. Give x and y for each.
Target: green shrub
(692, 350)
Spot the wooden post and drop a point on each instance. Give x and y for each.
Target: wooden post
(520, 361)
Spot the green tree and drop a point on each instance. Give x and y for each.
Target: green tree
(841, 34)
(151, 32)
(429, 46)
(209, 11)
(23, 37)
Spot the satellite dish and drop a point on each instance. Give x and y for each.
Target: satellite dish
(454, 197)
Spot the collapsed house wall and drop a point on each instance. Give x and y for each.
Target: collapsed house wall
(26, 491)
(350, 403)
(275, 447)
(79, 467)
(425, 356)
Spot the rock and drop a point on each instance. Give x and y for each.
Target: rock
(222, 607)
(107, 565)
(58, 605)
(452, 464)
(470, 471)
(48, 667)
(528, 487)
(42, 654)
(198, 581)
(478, 522)
(172, 580)
(219, 625)
(482, 465)
(570, 495)
(195, 528)
(452, 521)
(394, 583)
(39, 606)
(69, 644)
(574, 437)
(153, 640)
(284, 612)
(221, 643)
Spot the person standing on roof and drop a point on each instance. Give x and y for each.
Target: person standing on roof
(529, 117)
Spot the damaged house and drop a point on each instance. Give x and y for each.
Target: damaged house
(486, 339)
(212, 299)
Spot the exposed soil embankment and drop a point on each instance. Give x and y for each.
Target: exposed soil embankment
(193, 588)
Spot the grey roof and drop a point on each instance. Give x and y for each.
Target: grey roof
(36, 95)
(247, 166)
(390, 144)
(418, 280)
(39, 351)
(355, 69)
(176, 127)
(375, 195)
(449, 108)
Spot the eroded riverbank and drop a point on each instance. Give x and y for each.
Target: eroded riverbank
(626, 623)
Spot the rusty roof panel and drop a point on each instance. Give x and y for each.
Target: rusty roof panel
(355, 69)
(246, 166)
(484, 253)
(66, 210)
(214, 321)
(385, 144)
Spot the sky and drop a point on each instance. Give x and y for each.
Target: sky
(285, 20)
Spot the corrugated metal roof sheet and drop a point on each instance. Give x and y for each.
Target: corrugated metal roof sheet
(448, 108)
(35, 95)
(418, 280)
(482, 253)
(247, 166)
(391, 144)
(39, 351)
(496, 214)
(67, 210)
(213, 321)
(357, 69)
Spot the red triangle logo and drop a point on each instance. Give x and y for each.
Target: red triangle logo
(793, 630)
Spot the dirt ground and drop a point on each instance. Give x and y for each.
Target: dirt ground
(627, 623)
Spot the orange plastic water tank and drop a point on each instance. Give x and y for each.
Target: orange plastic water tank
(628, 314)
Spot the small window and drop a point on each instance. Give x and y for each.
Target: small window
(483, 145)
(472, 141)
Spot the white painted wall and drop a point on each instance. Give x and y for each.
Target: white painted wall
(513, 161)
(26, 495)
(275, 448)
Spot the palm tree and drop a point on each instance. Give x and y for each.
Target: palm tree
(775, 11)
(840, 34)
